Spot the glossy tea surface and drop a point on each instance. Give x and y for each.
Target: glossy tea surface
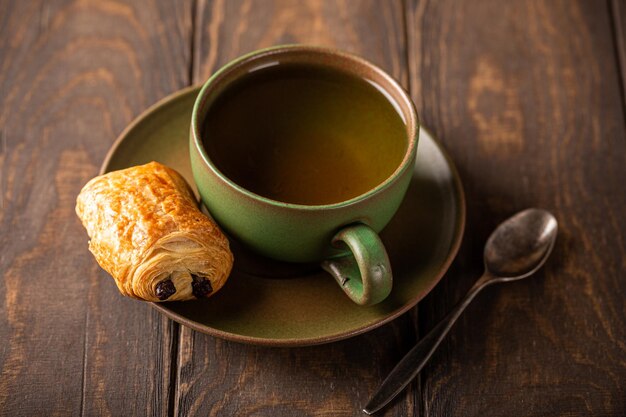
(304, 134)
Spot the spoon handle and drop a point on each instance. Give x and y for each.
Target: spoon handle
(418, 356)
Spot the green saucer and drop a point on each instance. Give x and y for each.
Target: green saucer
(266, 302)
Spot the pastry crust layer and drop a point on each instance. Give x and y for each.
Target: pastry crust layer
(145, 228)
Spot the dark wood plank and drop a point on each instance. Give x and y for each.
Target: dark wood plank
(526, 97)
(73, 74)
(618, 17)
(228, 29)
(223, 378)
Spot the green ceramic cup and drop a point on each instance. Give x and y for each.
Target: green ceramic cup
(342, 236)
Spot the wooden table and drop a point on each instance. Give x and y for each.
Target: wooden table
(527, 96)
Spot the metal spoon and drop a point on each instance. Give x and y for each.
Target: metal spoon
(515, 250)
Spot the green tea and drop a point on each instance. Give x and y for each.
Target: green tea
(304, 134)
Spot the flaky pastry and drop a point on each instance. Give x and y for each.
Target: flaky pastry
(147, 232)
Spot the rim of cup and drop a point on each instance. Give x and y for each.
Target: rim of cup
(383, 83)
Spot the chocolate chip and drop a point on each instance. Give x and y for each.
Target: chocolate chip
(200, 286)
(165, 289)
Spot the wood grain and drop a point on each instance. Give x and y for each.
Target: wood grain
(72, 76)
(222, 378)
(226, 29)
(617, 9)
(525, 96)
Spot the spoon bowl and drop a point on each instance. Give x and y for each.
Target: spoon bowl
(521, 244)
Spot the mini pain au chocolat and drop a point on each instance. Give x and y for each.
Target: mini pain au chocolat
(146, 231)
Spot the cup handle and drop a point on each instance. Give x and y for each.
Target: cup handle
(364, 274)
